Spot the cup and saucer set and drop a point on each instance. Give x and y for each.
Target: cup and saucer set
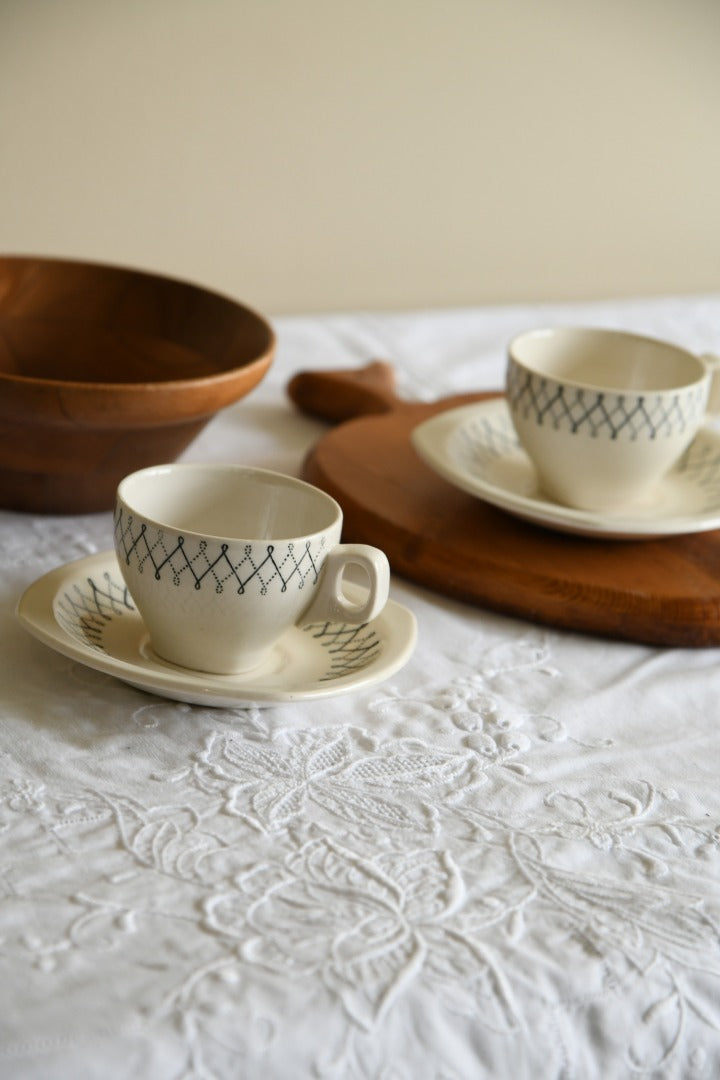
(228, 585)
(601, 433)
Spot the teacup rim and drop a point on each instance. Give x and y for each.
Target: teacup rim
(230, 467)
(609, 332)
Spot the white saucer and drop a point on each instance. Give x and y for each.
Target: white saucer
(475, 447)
(84, 611)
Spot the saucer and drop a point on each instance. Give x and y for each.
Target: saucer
(475, 447)
(84, 611)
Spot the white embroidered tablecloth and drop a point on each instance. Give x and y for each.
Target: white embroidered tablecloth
(502, 862)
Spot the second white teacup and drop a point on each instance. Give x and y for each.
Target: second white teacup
(221, 560)
(604, 414)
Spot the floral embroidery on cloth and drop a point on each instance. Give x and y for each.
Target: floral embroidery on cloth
(385, 871)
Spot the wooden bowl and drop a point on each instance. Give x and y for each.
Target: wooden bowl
(104, 370)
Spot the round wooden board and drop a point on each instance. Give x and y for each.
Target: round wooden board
(659, 592)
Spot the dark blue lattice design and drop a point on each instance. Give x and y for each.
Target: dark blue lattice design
(202, 563)
(351, 648)
(611, 415)
(85, 612)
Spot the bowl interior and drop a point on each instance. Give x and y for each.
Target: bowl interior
(106, 370)
(70, 321)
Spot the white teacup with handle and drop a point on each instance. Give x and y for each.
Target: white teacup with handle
(221, 560)
(605, 414)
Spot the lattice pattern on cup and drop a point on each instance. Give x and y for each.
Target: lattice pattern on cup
(204, 561)
(608, 414)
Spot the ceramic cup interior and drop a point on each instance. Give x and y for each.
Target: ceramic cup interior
(222, 560)
(603, 414)
(231, 502)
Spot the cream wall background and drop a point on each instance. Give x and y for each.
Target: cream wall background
(309, 155)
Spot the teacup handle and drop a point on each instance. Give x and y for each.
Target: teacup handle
(332, 604)
(712, 363)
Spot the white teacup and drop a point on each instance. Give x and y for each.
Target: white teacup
(604, 414)
(221, 560)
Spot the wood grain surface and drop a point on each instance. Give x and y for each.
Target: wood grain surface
(660, 592)
(104, 370)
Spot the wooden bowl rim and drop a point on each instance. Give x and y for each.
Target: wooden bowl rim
(219, 378)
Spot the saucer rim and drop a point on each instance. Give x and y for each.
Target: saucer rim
(35, 612)
(430, 437)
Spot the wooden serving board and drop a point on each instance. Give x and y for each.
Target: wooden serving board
(658, 592)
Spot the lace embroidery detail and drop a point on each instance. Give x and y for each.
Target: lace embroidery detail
(386, 871)
(346, 773)
(380, 916)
